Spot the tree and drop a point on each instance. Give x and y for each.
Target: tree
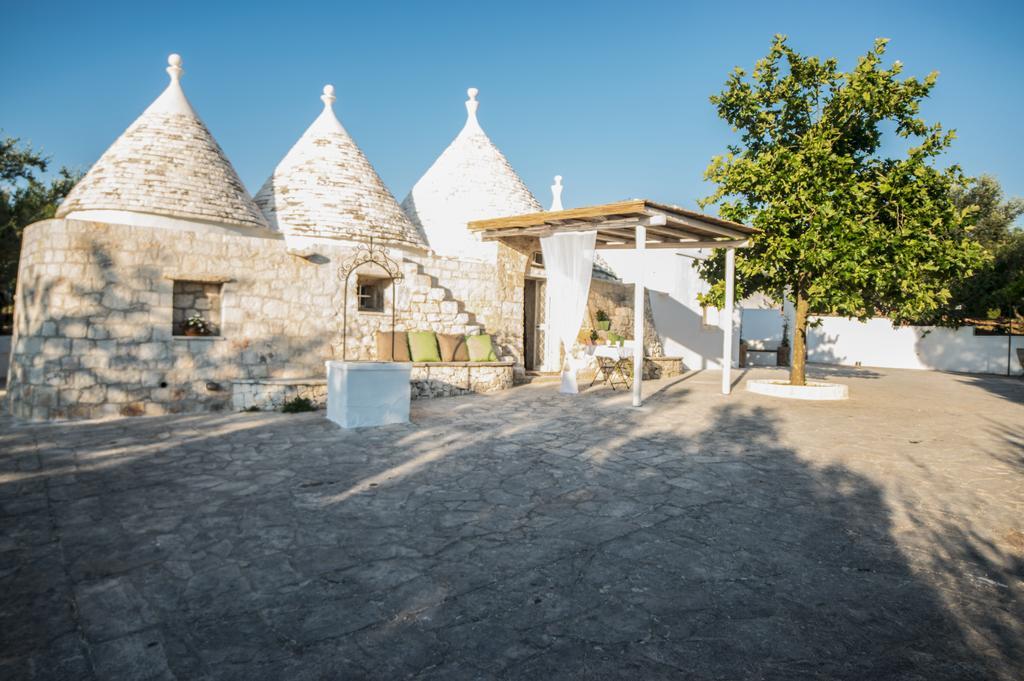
(844, 229)
(24, 199)
(996, 290)
(993, 215)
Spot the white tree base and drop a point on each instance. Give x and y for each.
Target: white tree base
(811, 391)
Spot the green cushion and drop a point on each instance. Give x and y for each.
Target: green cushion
(480, 348)
(423, 346)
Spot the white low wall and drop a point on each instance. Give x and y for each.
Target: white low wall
(876, 343)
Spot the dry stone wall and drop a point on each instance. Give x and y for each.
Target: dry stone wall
(447, 380)
(93, 323)
(616, 300)
(427, 381)
(489, 302)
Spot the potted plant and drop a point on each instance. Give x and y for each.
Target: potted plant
(603, 323)
(195, 325)
(585, 337)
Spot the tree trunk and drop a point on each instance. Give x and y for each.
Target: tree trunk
(798, 363)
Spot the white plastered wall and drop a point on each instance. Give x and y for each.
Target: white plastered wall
(877, 343)
(672, 288)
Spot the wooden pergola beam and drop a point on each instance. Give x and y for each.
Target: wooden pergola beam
(670, 224)
(706, 227)
(682, 245)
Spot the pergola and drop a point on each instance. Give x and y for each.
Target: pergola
(637, 224)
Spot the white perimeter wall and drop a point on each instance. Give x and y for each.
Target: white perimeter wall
(876, 343)
(672, 287)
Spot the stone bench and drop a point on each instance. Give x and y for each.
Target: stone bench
(429, 379)
(445, 379)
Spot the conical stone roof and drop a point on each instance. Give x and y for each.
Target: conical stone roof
(470, 180)
(166, 163)
(326, 188)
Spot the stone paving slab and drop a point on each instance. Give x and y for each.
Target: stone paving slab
(529, 535)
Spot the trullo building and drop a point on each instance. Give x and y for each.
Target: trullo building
(161, 231)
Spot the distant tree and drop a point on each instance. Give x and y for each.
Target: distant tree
(996, 290)
(24, 199)
(993, 215)
(844, 230)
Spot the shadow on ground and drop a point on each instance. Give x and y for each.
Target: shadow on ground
(530, 536)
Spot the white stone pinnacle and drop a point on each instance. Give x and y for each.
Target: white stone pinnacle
(471, 106)
(174, 69)
(556, 194)
(328, 97)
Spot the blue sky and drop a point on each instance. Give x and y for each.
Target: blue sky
(612, 95)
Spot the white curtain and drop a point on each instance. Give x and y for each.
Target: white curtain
(569, 264)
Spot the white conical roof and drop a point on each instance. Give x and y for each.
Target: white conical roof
(326, 188)
(166, 163)
(470, 180)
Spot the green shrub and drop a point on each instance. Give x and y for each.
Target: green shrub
(297, 405)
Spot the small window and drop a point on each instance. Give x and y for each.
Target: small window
(370, 294)
(538, 259)
(196, 308)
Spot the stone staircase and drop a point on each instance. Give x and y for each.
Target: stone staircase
(431, 307)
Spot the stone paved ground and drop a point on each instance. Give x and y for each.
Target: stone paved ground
(528, 535)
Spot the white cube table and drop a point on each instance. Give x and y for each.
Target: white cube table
(368, 393)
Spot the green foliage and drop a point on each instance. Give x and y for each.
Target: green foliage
(995, 291)
(200, 325)
(843, 228)
(992, 215)
(24, 199)
(298, 405)
(601, 316)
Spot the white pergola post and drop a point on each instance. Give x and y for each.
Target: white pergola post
(638, 315)
(727, 314)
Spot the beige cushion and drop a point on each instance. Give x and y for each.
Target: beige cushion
(453, 347)
(480, 348)
(384, 347)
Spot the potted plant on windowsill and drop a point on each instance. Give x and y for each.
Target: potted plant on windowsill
(603, 323)
(195, 325)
